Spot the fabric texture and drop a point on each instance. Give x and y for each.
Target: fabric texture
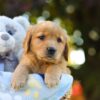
(35, 89)
(8, 63)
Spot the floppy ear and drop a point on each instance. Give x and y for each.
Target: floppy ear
(66, 52)
(27, 41)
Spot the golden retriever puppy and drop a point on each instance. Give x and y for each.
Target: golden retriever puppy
(45, 51)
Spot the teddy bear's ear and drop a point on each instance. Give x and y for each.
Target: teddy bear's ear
(27, 40)
(23, 21)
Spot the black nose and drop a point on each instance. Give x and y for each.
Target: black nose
(5, 37)
(51, 51)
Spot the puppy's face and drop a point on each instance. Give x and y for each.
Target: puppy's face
(47, 41)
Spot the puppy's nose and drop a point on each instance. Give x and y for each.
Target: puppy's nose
(51, 51)
(5, 37)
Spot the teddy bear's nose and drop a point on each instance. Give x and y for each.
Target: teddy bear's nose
(5, 37)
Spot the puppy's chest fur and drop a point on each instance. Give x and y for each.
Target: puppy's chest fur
(40, 67)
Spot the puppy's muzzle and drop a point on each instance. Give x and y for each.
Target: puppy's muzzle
(51, 51)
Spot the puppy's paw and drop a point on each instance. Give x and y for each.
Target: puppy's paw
(18, 83)
(51, 81)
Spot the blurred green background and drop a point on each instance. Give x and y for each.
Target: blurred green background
(81, 19)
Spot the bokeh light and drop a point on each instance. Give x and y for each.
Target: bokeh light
(91, 51)
(46, 14)
(76, 57)
(70, 9)
(40, 19)
(77, 38)
(94, 35)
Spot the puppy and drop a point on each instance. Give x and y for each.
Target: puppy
(45, 51)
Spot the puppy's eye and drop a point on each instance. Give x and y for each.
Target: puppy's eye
(59, 40)
(42, 37)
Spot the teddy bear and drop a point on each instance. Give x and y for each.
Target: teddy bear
(12, 33)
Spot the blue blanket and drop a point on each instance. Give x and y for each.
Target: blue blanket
(35, 88)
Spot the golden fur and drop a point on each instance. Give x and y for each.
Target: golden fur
(35, 58)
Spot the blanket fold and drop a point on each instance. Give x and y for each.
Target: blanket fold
(35, 89)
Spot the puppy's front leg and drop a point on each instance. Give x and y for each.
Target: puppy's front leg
(19, 77)
(52, 75)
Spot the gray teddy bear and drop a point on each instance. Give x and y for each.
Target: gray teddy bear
(12, 33)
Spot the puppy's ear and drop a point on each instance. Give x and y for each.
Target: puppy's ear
(66, 52)
(27, 40)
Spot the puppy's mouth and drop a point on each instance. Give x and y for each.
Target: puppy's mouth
(48, 59)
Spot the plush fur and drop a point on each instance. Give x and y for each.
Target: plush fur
(35, 58)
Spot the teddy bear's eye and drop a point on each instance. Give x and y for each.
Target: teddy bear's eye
(10, 32)
(42, 37)
(10, 29)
